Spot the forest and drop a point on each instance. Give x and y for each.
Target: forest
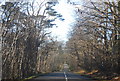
(95, 38)
(27, 47)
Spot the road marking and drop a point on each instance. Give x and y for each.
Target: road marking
(65, 76)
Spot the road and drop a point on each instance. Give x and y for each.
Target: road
(61, 76)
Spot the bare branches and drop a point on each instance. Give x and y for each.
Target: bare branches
(23, 32)
(95, 37)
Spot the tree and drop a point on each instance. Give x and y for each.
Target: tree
(23, 34)
(95, 36)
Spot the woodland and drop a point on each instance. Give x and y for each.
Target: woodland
(28, 49)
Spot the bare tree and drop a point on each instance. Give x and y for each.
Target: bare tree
(94, 39)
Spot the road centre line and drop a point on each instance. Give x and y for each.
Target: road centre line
(65, 76)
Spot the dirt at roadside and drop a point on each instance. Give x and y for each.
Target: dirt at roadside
(100, 75)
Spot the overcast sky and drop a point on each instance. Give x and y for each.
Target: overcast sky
(67, 11)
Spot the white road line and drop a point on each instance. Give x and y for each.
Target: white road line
(65, 76)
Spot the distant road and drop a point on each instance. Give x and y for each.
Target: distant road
(61, 76)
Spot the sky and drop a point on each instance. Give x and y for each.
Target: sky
(67, 11)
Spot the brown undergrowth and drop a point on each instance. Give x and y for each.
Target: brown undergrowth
(100, 76)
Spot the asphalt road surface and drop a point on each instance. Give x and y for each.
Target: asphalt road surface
(61, 76)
